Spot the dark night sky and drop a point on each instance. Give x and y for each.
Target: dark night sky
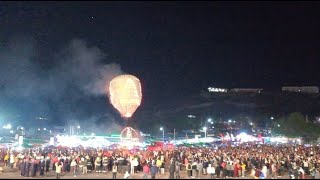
(175, 48)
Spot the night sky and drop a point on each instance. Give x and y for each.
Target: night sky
(54, 54)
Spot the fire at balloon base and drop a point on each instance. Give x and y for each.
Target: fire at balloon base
(129, 138)
(129, 134)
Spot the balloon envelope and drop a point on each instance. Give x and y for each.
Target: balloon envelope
(125, 94)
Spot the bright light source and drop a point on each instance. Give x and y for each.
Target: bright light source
(229, 120)
(251, 123)
(209, 120)
(38, 129)
(234, 121)
(242, 134)
(11, 131)
(78, 127)
(244, 137)
(204, 128)
(161, 128)
(92, 134)
(44, 129)
(212, 89)
(278, 125)
(8, 126)
(271, 118)
(21, 128)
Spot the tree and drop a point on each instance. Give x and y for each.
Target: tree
(294, 125)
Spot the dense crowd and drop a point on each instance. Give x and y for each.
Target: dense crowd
(256, 161)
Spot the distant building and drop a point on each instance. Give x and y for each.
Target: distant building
(58, 129)
(245, 90)
(301, 89)
(213, 89)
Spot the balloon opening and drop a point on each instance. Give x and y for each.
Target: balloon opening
(128, 115)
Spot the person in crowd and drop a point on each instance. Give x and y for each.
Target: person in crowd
(89, 165)
(317, 174)
(11, 160)
(243, 169)
(6, 159)
(199, 168)
(58, 169)
(114, 170)
(128, 167)
(211, 171)
(194, 172)
(42, 166)
(177, 170)
(135, 164)
(97, 164)
(73, 167)
(301, 173)
(105, 163)
(217, 170)
(146, 171)
(80, 164)
(154, 170)
(126, 175)
(32, 168)
(47, 164)
(205, 165)
(189, 169)
(84, 163)
(264, 171)
(273, 170)
(132, 165)
(172, 169)
(27, 168)
(22, 167)
(159, 164)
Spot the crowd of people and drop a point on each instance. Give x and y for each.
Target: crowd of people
(246, 160)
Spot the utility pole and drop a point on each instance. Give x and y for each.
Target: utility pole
(163, 135)
(162, 129)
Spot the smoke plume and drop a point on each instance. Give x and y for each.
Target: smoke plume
(68, 85)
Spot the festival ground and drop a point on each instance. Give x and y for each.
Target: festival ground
(14, 174)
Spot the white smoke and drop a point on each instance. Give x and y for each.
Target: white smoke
(82, 65)
(78, 72)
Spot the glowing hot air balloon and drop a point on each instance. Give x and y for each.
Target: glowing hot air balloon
(125, 94)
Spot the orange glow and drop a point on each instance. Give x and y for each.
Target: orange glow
(125, 94)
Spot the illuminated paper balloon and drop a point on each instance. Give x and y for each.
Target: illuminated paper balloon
(125, 94)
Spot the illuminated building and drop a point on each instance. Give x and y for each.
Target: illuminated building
(213, 89)
(301, 89)
(246, 90)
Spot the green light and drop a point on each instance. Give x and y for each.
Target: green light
(115, 135)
